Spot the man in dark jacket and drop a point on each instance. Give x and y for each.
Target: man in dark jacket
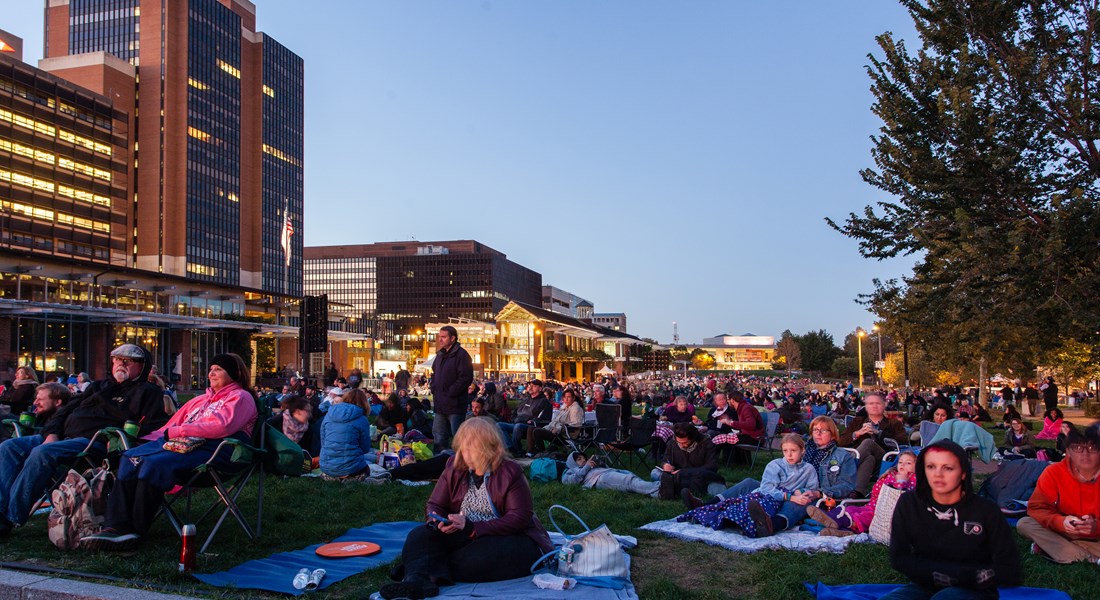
(868, 435)
(452, 374)
(28, 463)
(535, 411)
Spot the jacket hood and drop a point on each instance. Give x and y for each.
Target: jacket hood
(342, 412)
(924, 490)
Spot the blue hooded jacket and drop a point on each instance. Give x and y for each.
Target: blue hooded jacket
(345, 439)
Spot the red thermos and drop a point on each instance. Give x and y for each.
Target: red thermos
(187, 548)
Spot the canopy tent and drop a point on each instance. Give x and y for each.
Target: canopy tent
(605, 370)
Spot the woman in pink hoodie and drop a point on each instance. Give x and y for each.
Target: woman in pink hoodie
(227, 409)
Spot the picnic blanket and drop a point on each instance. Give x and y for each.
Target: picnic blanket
(276, 572)
(523, 588)
(792, 539)
(874, 591)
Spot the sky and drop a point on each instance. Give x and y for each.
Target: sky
(671, 160)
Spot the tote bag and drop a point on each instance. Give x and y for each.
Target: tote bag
(884, 514)
(591, 553)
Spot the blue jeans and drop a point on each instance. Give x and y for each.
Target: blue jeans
(916, 592)
(444, 428)
(794, 513)
(514, 433)
(27, 467)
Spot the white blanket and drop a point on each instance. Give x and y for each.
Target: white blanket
(792, 539)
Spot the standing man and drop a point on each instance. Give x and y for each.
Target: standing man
(28, 463)
(401, 380)
(1050, 394)
(1031, 395)
(868, 435)
(452, 374)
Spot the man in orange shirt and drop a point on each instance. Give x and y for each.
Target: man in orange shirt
(1064, 512)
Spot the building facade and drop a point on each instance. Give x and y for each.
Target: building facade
(561, 301)
(615, 321)
(150, 189)
(746, 352)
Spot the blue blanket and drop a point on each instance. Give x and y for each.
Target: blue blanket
(276, 573)
(874, 591)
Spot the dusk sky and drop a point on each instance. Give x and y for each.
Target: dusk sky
(670, 160)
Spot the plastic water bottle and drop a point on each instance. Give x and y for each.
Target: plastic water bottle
(187, 548)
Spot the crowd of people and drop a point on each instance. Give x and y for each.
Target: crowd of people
(479, 521)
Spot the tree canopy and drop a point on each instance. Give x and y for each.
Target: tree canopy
(988, 151)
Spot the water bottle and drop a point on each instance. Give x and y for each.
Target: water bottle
(187, 548)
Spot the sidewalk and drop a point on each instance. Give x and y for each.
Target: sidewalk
(21, 585)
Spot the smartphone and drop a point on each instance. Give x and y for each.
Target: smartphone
(440, 518)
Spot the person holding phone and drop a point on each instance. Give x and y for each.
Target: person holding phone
(1064, 510)
(480, 525)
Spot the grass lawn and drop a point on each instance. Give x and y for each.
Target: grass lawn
(300, 512)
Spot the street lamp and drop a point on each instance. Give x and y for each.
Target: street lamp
(859, 336)
(878, 370)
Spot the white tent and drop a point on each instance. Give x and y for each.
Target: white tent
(605, 370)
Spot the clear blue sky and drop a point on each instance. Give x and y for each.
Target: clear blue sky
(670, 160)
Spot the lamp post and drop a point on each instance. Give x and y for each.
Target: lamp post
(878, 334)
(859, 336)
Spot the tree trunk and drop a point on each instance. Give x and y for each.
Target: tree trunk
(983, 394)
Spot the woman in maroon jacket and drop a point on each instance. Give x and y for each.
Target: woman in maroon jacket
(481, 525)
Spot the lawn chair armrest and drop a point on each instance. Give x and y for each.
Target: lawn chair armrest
(117, 439)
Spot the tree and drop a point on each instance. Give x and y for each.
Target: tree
(845, 366)
(817, 350)
(989, 150)
(701, 360)
(920, 372)
(787, 348)
(1072, 362)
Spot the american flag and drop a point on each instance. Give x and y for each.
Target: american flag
(288, 230)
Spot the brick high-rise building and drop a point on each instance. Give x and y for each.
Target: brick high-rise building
(218, 115)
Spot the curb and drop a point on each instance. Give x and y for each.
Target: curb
(17, 585)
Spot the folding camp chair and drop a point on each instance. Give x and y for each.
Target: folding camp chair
(595, 435)
(771, 423)
(637, 445)
(227, 484)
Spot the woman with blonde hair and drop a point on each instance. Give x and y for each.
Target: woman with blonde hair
(481, 524)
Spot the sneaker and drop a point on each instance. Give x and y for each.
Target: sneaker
(821, 517)
(760, 519)
(690, 501)
(835, 532)
(413, 590)
(1037, 551)
(110, 539)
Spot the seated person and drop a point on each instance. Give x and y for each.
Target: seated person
(867, 435)
(148, 471)
(48, 397)
(720, 417)
(1018, 440)
(850, 520)
(1010, 413)
(756, 512)
(478, 409)
(678, 411)
(591, 473)
(747, 421)
(570, 416)
(28, 463)
(1063, 512)
(494, 401)
(981, 415)
(534, 411)
(481, 525)
(345, 439)
(416, 418)
(691, 462)
(294, 421)
(836, 475)
(391, 419)
(943, 535)
(1052, 424)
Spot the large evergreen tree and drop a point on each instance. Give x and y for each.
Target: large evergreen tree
(989, 151)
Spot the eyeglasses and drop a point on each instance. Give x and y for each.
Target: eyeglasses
(1077, 449)
(821, 430)
(124, 361)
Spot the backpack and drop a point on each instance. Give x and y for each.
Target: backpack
(544, 469)
(79, 504)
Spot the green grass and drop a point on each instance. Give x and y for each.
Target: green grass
(301, 512)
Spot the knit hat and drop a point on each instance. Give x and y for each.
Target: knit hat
(229, 364)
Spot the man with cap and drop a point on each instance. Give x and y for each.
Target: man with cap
(27, 464)
(535, 411)
(452, 374)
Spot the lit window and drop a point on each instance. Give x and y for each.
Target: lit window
(228, 68)
(198, 85)
(270, 92)
(198, 134)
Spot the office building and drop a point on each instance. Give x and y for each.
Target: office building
(615, 321)
(561, 301)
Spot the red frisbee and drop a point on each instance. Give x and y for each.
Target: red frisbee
(347, 549)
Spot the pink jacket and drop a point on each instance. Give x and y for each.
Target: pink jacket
(213, 415)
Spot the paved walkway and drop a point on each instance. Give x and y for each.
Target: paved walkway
(21, 585)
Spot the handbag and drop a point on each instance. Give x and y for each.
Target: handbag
(591, 553)
(884, 514)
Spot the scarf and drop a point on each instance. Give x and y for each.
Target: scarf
(292, 428)
(691, 448)
(815, 456)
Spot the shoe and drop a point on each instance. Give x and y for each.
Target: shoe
(110, 539)
(835, 532)
(1038, 551)
(690, 501)
(821, 517)
(760, 519)
(413, 590)
(667, 489)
